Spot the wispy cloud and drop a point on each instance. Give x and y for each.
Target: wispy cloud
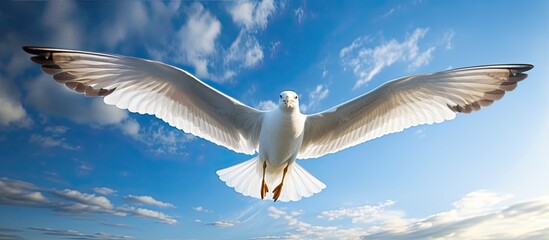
(201, 209)
(299, 14)
(315, 96)
(69, 201)
(447, 38)
(104, 190)
(149, 201)
(49, 141)
(73, 234)
(223, 223)
(367, 61)
(358, 214)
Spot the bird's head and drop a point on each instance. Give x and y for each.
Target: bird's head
(288, 100)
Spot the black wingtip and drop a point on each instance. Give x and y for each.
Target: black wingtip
(526, 67)
(33, 50)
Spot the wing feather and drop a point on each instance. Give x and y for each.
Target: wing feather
(149, 87)
(407, 102)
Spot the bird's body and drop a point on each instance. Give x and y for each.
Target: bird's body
(282, 135)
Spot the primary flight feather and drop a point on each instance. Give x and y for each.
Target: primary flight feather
(284, 134)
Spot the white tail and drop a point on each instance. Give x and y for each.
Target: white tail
(246, 177)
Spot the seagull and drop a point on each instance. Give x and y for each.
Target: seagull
(284, 134)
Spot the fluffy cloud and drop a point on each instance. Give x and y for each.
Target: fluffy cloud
(246, 51)
(266, 105)
(148, 200)
(15, 192)
(87, 199)
(252, 14)
(197, 38)
(480, 214)
(474, 217)
(11, 109)
(367, 61)
(147, 213)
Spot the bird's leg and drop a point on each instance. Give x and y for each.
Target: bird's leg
(278, 188)
(264, 188)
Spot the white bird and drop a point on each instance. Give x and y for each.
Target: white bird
(284, 134)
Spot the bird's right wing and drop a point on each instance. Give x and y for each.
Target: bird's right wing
(407, 102)
(149, 87)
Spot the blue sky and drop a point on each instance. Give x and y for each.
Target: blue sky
(73, 167)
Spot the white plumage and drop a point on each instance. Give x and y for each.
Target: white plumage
(284, 134)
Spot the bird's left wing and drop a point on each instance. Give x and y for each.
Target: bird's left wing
(150, 87)
(407, 102)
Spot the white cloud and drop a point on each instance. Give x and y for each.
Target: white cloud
(252, 14)
(84, 198)
(245, 51)
(74, 234)
(49, 142)
(300, 14)
(60, 18)
(447, 38)
(142, 212)
(275, 212)
(11, 109)
(56, 130)
(275, 46)
(104, 190)
(14, 192)
(367, 62)
(481, 214)
(315, 96)
(131, 128)
(201, 209)
(303, 230)
(388, 13)
(363, 214)
(50, 98)
(224, 223)
(477, 216)
(266, 105)
(196, 38)
(148, 200)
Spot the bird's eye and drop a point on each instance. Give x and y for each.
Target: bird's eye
(295, 97)
(280, 96)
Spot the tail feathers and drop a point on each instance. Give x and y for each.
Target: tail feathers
(246, 178)
(299, 183)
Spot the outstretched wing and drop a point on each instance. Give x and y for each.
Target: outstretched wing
(407, 102)
(150, 87)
